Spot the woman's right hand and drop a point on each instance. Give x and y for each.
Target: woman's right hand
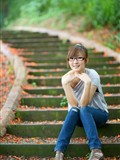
(68, 77)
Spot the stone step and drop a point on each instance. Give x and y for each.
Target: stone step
(54, 114)
(46, 119)
(47, 150)
(25, 34)
(55, 54)
(56, 81)
(34, 47)
(38, 52)
(59, 90)
(36, 39)
(54, 101)
(61, 55)
(52, 49)
(32, 40)
(50, 72)
(37, 42)
(63, 60)
(52, 129)
(63, 65)
(8, 33)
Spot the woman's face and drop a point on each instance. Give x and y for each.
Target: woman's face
(77, 63)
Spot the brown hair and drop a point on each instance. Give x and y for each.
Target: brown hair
(75, 50)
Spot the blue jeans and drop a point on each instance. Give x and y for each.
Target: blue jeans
(88, 117)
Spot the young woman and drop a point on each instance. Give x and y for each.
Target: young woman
(86, 103)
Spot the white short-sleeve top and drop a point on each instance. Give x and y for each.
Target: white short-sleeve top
(98, 100)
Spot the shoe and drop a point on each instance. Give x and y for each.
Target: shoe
(59, 155)
(96, 154)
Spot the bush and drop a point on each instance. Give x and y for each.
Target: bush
(97, 12)
(101, 13)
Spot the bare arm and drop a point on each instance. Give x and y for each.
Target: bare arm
(72, 100)
(66, 79)
(88, 91)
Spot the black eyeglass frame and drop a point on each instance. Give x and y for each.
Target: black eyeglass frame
(71, 59)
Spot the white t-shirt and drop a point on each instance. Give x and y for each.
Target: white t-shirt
(98, 100)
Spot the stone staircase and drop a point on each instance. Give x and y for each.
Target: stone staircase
(39, 117)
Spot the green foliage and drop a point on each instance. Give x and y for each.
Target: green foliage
(17, 114)
(34, 84)
(71, 7)
(64, 102)
(34, 9)
(11, 69)
(117, 37)
(113, 41)
(23, 102)
(101, 13)
(87, 156)
(97, 13)
(14, 9)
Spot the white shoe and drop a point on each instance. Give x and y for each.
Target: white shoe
(96, 154)
(59, 155)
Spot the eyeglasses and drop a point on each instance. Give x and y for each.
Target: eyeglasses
(71, 59)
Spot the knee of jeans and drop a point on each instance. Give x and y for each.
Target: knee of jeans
(75, 109)
(74, 113)
(83, 109)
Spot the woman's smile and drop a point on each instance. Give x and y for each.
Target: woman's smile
(76, 66)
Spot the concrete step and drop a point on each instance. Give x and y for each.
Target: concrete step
(34, 40)
(38, 52)
(61, 72)
(63, 65)
(54, 101)
(24, 34)
(55, 54)
(47, 150)
(63, 60)
(56, 81)
(59, 90)
(52, 129)
(39, 115)
(46, 123)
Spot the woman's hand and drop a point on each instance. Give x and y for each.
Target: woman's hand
(84, 77)
(68, 77)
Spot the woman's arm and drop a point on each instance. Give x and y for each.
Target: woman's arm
(88, 91)
(66, 80)
(72, 100)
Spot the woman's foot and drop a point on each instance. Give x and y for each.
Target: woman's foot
(96, 154)
(59, 155)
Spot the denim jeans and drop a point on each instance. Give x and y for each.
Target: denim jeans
(88, 117)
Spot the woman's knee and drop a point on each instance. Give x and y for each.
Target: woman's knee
(83, 109)
(74, 111)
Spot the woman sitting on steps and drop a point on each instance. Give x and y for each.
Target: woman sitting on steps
(86, 104)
